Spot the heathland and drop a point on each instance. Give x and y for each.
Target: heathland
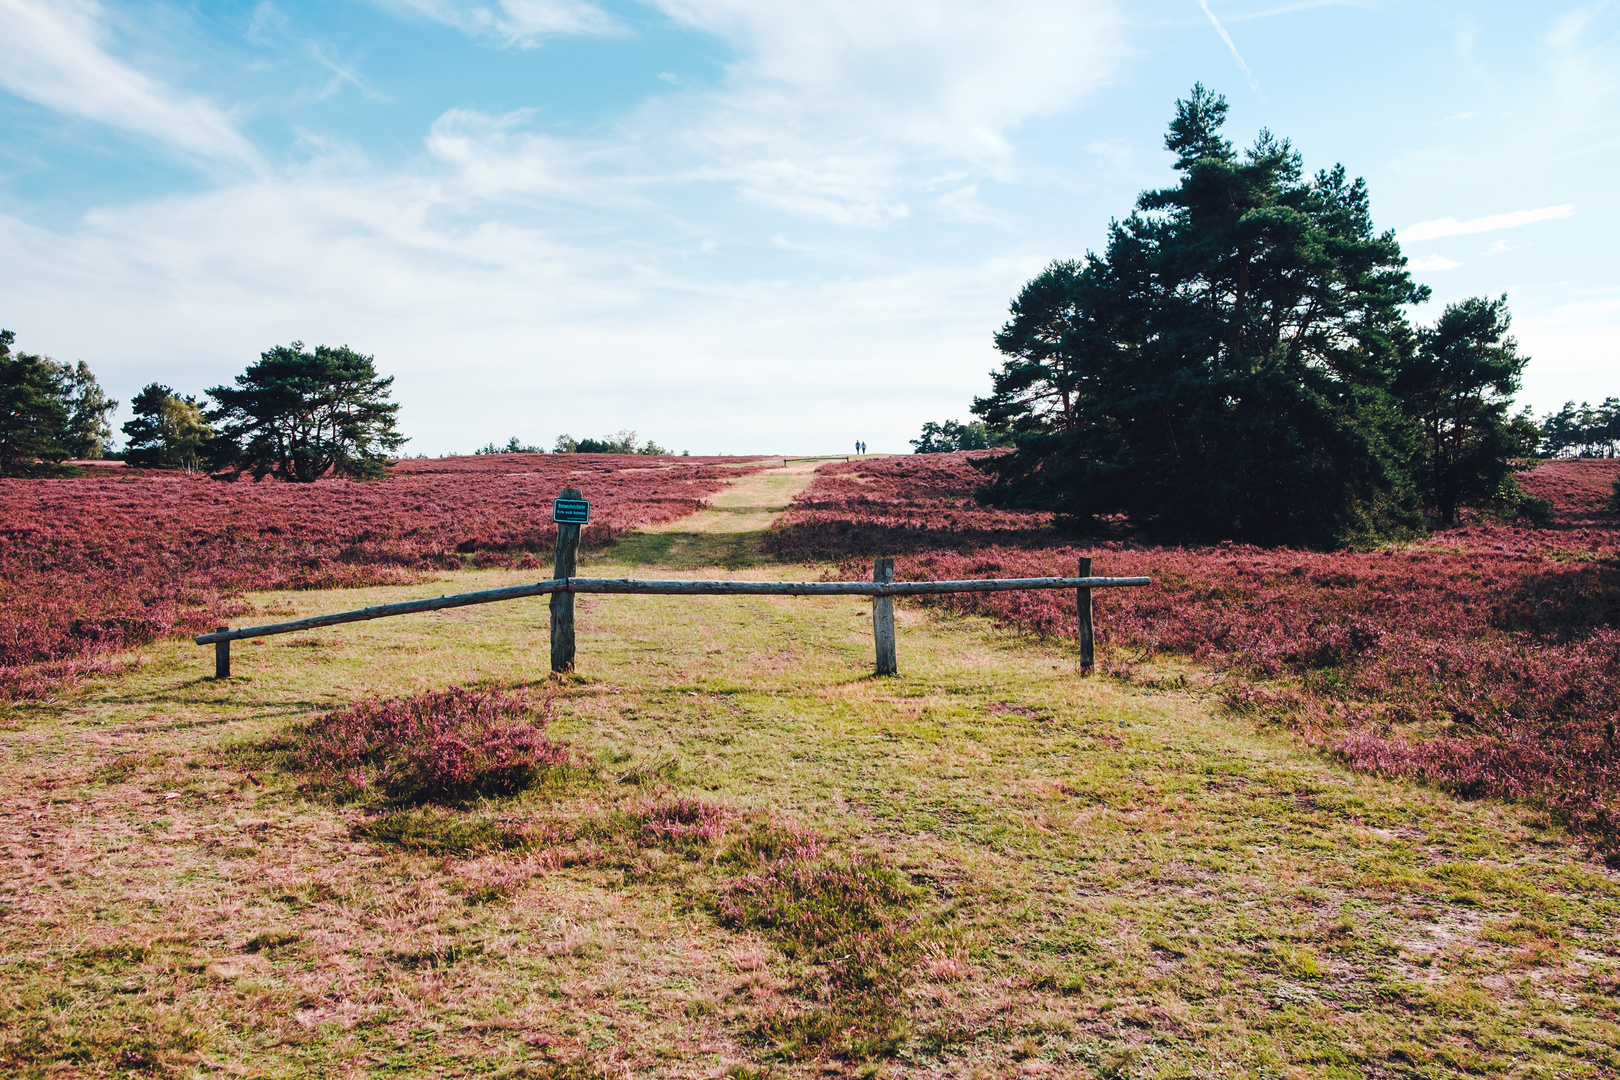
(1317, 815)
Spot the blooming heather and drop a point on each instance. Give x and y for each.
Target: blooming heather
(1485, 660)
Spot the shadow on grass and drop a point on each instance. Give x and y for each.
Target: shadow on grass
(692, 550)
(838, 539)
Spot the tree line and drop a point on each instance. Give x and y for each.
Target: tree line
(49, 411)
(1582, 430)
(1239, 362)
(297, 414)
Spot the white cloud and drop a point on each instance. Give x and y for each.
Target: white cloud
(53, 58)
(838, 110)
(495, 158)
(1450, 226)
(1432, 262)
(515, 274)
(494, 328)
(1580, 60)
(1589, 307)
(951, 74)
(511, 22)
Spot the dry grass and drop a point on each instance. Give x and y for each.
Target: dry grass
(1095, 877)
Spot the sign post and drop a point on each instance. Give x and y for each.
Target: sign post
(569, 511)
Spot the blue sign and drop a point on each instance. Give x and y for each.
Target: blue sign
(571, 511)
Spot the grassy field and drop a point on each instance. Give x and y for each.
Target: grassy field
(1053, 875)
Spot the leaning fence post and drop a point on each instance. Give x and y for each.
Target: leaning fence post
(1082, 604)
(562, 603)
(222, 655)
(883, 619)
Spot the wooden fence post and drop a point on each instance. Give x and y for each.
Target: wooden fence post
(1082, 604)
(883, 619)
(222, 655)
(562, 603)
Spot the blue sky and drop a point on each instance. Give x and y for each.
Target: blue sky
(740, 226)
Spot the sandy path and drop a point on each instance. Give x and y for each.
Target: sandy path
(726, 533)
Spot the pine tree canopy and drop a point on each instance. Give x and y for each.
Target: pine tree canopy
(1227, 366)
(300, 415)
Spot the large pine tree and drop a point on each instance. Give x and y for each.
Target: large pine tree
(1224, 368)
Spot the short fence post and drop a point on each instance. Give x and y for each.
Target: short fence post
(1082, 604)
(562, 603)
(883, 619)
(222, 655)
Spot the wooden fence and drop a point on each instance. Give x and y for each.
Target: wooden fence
(564, 585)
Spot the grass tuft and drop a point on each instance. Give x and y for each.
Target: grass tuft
(849, 919)
(432, 830)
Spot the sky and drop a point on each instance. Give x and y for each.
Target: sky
(741, 226)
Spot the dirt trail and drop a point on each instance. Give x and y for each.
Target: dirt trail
(726, 533)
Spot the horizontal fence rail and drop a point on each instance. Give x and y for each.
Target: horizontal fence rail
(563, 585)
(674, 588)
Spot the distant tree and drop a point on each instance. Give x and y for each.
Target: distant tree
(1457, 387)
(513, 446)
(168, 431)
(33, 411)
(49, 410)
(301, 415)
(86, 431)
(624, 442)
(1582, 431)
(951, 435)
(1222, 369)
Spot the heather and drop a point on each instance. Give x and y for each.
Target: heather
(436, 746)
(94, 566)
(1485, 659)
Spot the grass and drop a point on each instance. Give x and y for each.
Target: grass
(1064, 876)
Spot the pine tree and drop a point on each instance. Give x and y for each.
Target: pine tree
(300, 415)
(1223, 368)
(1458, 387)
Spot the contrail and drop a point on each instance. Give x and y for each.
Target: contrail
(1230, 44)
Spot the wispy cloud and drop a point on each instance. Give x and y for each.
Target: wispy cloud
(1230, 44)
(833, 107)
(1432, 262)
(1289, 9)
(1450, 226)
(1590, 307)
(512, 22)
(54, 58)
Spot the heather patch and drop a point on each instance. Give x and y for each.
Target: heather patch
(441, 745)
